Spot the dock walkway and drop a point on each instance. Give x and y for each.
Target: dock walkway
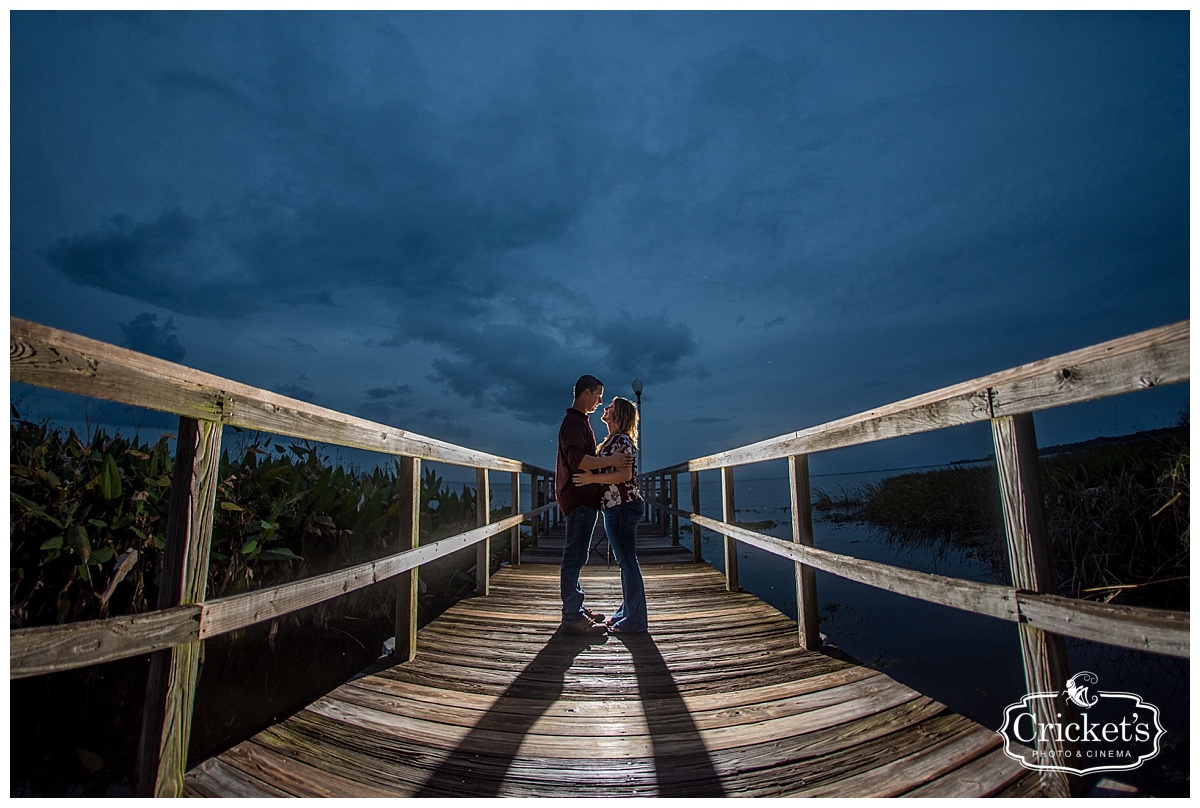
(716, 700)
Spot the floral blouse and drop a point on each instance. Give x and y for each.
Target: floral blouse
(619, 493)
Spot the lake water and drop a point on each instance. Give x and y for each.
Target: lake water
(968, 662)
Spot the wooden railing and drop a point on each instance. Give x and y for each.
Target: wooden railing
(59, 360)
(1008, 400)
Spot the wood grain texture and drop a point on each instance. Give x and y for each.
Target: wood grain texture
(238, 611)
(729, 516)
(674, 478)
(694, 478)
(1031, 560)
(49, 649)
(1159, 630)
(408, 538)
(1149, 359)
(514, 537)
(60, 360)
(808, 616)
(174, 673)
(716, 700)
(483, 550)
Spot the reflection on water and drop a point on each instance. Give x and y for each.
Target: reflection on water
(968, 662)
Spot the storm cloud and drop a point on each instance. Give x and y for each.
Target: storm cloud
(440, 220)
(143, 335)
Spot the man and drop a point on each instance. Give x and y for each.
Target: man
(580, 504)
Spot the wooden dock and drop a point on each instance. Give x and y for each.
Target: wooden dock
(719, 698)
(716, 700)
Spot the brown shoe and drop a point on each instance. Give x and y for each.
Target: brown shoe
(584, 626)
(595, 617)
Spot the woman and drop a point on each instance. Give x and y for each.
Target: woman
(623, 508)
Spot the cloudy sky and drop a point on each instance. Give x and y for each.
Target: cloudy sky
(439, 220)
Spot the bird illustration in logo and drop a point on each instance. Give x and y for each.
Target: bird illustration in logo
(1078, 693)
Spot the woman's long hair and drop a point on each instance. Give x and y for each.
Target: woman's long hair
(625, 417)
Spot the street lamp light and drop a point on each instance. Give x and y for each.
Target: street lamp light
(637, 391)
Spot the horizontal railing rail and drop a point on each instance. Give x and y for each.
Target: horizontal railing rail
(1007, 400)
(51, 649)
(58, 360)
(1145, 629)
(1150, 359)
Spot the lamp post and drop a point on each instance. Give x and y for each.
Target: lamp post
(637, 391)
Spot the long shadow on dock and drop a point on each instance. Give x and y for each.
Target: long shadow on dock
(466, 773)
(682, 765)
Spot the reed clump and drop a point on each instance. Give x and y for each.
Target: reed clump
(87, 531)
(88, 524)
(1117, 515)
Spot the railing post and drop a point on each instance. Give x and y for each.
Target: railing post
(555, 515)
(408, 483)
(535, 493)
(515, 484)
(807, 617)
(659, 484)
(1032, 562)
(728, 515)
(171, 687)
(483, 550)
(675, 513)
(543, 498)
(697, 555)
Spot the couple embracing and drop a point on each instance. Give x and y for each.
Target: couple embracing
(590, 480)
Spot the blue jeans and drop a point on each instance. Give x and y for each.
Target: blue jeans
(581, 522)
(620, 523)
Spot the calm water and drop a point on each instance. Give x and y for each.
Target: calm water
(968, 662)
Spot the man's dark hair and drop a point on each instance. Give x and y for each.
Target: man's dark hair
(587, 382)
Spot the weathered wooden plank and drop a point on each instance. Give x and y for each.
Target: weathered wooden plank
(988, 599)
(49, 649)
(408, 538)
(60, 360)
(1031, 560)
(224, 780)
(729, 515)
(285, 773)
(1067, 382)
(896, 776)
(1146, 629)
(674, 488)
(483, 513)
(1151, 358)
(618, 742)
(807, 614)
(513, 708)
(749, 770)
(238, 611)
(514, 537)
(1158, 630)
(742, 708)
(418, 696)
(171, 685)
(984, 776)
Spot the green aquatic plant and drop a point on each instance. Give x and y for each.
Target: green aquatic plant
(89, 517)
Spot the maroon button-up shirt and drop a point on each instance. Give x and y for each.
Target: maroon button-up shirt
(575, 439)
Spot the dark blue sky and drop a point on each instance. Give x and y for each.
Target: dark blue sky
(439, 220)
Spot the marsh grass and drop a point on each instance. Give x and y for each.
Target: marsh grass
(82, 503)
(1117, 516)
